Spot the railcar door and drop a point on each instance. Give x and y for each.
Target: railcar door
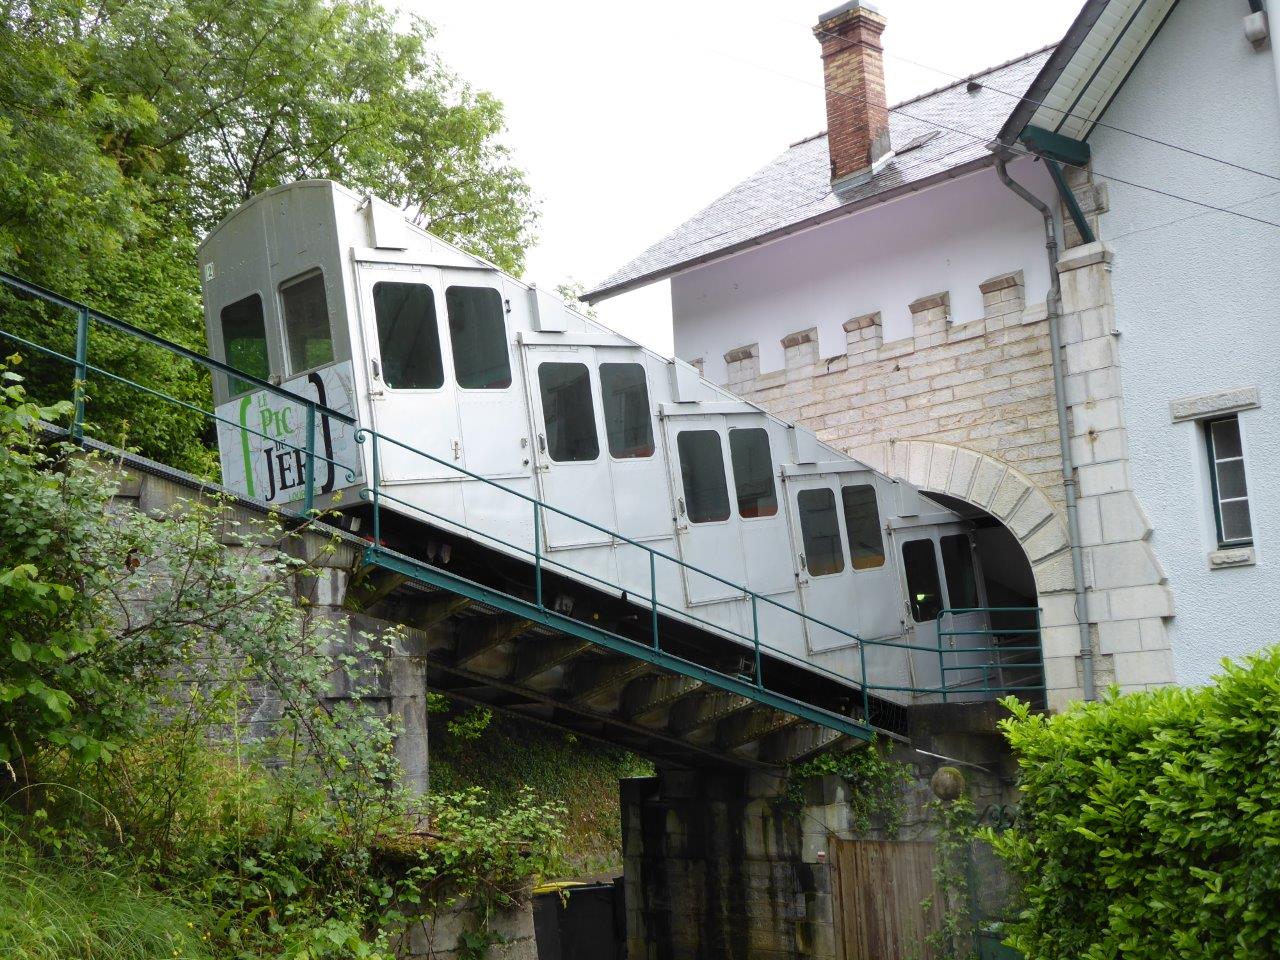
(822, 561)
(411, 392)
(572, 470)
(492, 421)
(706, 528)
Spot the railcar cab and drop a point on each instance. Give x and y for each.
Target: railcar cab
(335, 297)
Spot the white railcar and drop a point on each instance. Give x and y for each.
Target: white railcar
(336, 296)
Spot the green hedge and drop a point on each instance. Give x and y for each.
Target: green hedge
(1150, 823)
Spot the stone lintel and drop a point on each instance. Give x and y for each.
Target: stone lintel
(1002, 282)
(1213, 404)
(862, 322)
(931, 302)
(1085, 255)
(800, 337)
(738, 354)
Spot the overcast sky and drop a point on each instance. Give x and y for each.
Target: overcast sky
(629, 118)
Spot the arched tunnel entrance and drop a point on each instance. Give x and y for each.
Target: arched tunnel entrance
(1010, 590)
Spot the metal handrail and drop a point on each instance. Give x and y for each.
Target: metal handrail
(986, 667)
(375, 494)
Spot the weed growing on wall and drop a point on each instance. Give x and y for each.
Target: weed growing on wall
(1149, 824)
(176, 727)
(875, 785)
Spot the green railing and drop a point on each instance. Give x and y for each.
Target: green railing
(1023, 641)
(376, 494)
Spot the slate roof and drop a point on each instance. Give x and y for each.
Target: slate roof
(794, 191)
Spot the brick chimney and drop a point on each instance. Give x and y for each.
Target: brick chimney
(853, 69)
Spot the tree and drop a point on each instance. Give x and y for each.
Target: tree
(129, 130)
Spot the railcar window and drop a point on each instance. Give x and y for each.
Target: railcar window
(706, 493)
(481, 359)
(408, 336)
(820, 531)
(566, 409)
(921, 567)
(862, 522)
(753, 472)
(306, 323)
(244, 341)
(957, 563)
(627, 418)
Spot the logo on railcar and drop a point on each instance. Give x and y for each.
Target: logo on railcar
(262, 439)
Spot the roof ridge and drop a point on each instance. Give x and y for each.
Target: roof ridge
(981, 73)
(936, 90)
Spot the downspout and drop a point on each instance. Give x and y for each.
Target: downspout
(1053, 309)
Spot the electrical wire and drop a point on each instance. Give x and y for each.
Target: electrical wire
(1022, 98)
(1019, 151)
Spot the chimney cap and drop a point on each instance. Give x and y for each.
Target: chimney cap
(848, 8)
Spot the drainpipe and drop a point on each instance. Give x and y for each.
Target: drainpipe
(1257, 30)
(1053, 309)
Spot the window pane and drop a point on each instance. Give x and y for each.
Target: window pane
(566, 409)
(862, 520)
(922, 579)
(408, 336)
(706, 493)
(1235, 521)
(306, 324)
(957, 561)
(627, 419)
(1226, 438)
(753, 472)
(481, 360)
(244, 341)
(1231, 479)
(820, 531)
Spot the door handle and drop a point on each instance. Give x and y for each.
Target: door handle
(542, 443)
(680, 505)
(804, 564)
(457, 449)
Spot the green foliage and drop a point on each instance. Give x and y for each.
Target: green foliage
(1150, 822)
(129, 129)
(875, 782)
(48, 912)
(133, 651)
(471, 724)
(510, 757)
(65, 679)
(955, 829)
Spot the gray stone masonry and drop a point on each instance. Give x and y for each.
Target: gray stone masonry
(401, 688)
(968, 409)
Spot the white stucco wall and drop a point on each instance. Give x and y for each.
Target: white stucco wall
(1198, 310)
(952, 237)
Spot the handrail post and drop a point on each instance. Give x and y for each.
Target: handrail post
(653, 596)
(82, 372)
(866, 695)
(309, 500)
(377, 518)
(942, 663)
(755, 632)
(537, 551)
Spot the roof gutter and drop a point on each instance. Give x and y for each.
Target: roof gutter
(897, 193)
(1053, 309)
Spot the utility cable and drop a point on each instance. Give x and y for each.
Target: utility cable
(1016, 150)
(1022, 98)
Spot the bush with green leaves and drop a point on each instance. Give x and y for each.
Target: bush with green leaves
(1150, 822)
(173, 718)
(875, 784)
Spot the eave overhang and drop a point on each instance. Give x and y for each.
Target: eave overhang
(1087, 69)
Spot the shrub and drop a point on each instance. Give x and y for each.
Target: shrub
(1150, 822)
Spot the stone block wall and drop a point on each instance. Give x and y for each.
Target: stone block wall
(985, 385)
(968, 409)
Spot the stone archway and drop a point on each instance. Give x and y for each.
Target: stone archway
(1033, 519)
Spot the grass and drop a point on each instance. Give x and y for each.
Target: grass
(50, 912)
